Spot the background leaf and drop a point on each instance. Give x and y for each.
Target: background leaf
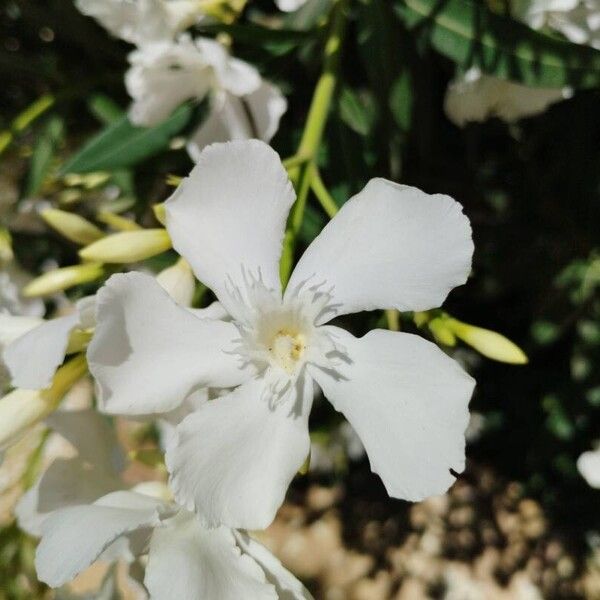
(122, 144)
(468, 33)
(43, 153)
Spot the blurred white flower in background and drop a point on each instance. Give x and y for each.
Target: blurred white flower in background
(577, 20)
(142, 22)
(241, 104)
(476, 97)
(589, 467)
(290, 5)
(167, 69)
(235, 456)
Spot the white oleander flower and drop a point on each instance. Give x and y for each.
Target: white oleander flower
(143, 22)
(391, 246)
(588, 465)
(476, 97)
(184, 559)
(577, 20)
(241, 104)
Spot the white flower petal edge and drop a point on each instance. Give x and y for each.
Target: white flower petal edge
(228, 219)
(148, 353)
(408, 403)
(188, 562)
(287, 586)
(390, 246)
(73, 538)
(234, 458)
(33, 358)
(255, 115)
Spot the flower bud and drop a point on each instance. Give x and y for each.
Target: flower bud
(6, 252)
(441, 331)
(487, 342)
(22, 409)
(160, 213)
(62, 279)
(179, 282)
(128, 246)
(117, 222)
(72, 226)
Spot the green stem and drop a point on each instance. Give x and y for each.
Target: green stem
(301, 170)
(322, 193)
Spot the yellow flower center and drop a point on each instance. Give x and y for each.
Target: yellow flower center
(287, 348)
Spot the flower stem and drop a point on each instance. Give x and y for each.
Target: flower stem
(322, 193)
(302, 173)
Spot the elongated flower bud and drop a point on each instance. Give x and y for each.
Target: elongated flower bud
(179, 282)
(128, 246)
(487, 342)
(62, 279)
(72, 226)
(6, 252)
(117, 222)
(22, 409)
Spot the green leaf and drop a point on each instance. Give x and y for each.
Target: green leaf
(43, 153)
(275, 41)
(468, 33)
(122, 144)
(104, 109)
(357, 111)
(310, 15)
(401, 100)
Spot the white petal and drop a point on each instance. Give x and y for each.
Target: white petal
(148, 353)
(66, 482)
(188, 562)
(290, 5)
(33, 358)
(226, 121)
(266, 105)
(213, 311)
(408, 403)
(236, 456)
(228, 217)
(162, 76)
(91, 473)
(74, 537)
(137, 22)
(391, 246)
(232, 74)
(287, 586)
(589, 467)
(256, 116)
(13, 327)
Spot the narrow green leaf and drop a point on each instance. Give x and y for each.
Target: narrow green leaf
(43, 153)
(401, 100)
(121, 144)
(468, 33)
(357, 111)
(105, 109)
